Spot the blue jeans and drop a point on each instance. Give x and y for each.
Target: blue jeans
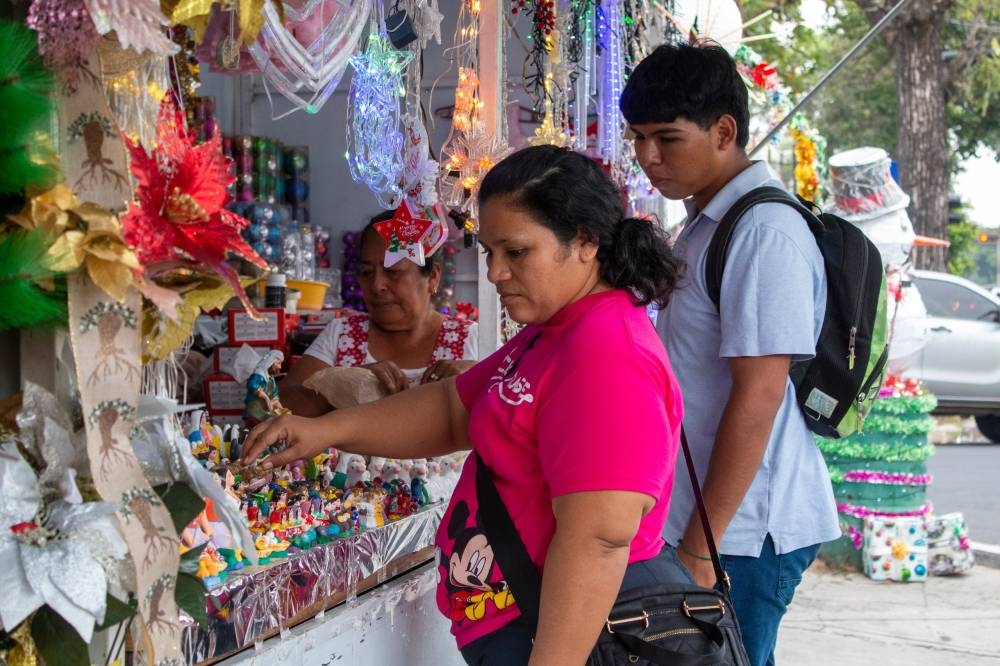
(511, 644)
(762, 589)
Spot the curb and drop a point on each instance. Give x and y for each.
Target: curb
(986, 554)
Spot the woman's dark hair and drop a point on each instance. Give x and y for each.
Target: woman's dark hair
(572, 195)
(369, 232)
(699, 83)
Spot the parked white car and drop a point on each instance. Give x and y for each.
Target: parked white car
(960, 362)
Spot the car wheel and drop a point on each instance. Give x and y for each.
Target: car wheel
(989, 425)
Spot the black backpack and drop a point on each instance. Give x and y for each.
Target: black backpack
(835, 388)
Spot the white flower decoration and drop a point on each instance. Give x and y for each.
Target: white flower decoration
(55, 552)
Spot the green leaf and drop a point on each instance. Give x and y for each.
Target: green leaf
(189, 560)
(190, 595)
(57, 640)
(117, 611)
(183, 503)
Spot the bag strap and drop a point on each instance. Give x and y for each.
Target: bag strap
(721, 579)
(515, 562)
(718, 248)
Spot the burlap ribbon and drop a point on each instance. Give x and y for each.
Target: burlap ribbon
(106, 341)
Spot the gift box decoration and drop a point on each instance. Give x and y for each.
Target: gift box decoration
(949, 550)
(895, 548)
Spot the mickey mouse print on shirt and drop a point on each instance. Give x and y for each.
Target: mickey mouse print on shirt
(469, 571)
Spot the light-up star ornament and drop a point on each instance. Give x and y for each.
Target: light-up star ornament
(404, 236)
(374, 141)
(470, 156)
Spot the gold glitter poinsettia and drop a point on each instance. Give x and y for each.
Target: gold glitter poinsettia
(84, 235)
(197, 13)
(196, 291)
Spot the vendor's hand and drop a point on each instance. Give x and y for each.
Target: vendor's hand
(701, 570)
(389, 375)
(444, 369)
(299, 434)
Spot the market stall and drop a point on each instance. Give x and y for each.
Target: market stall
(184, 187)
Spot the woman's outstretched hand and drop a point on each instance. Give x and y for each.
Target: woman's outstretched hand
(300, 437)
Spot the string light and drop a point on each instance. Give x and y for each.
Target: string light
(611, 125)
(467, 101)
(374, 139)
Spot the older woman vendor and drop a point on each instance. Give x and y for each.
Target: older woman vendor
(402, 338)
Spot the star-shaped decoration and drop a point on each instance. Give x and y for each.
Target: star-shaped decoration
(427, 23)
(548, 132)
(404, 236)
(470, 156)
(380, 60)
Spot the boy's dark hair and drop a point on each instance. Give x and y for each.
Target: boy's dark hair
(698, 83)
(369, 233)
(571, 195)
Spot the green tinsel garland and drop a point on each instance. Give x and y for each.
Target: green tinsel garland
(838, 451)
(921, 404)
(899, 424)
(26, 156)
(23, 262)
(839, 467)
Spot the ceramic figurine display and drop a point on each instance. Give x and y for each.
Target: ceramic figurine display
(258, 373)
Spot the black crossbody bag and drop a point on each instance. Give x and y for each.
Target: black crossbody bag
(668, 624)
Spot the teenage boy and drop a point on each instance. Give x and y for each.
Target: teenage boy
(765, 484)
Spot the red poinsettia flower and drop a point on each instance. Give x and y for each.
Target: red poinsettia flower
(765, 76)
(179, 213)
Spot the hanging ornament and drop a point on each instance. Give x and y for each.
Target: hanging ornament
(374, 142)
(185, 72)
(66, 36)
(427, 22)
(469, 157)
(552, 130)
(419, 170)
(467, 101)
(179, 214)
(196, 14)
(582, 58)
(137, 24)
(610, 123)
(404, 235)
(468, 144)
(134, 85)
(315, 63)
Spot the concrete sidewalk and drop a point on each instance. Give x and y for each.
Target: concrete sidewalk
(840, 618)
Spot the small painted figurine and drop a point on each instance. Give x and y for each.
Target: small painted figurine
(262, 400)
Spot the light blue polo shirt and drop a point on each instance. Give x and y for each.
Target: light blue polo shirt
(772, 302)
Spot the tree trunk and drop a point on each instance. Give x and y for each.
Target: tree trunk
(922, 135)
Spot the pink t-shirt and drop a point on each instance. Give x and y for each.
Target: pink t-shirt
(585, 402)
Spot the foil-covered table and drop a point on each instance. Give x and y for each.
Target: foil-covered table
(256, 603)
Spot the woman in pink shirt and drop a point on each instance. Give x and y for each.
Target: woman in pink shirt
(577, 418)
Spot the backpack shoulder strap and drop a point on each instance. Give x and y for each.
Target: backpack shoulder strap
(718, 248)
